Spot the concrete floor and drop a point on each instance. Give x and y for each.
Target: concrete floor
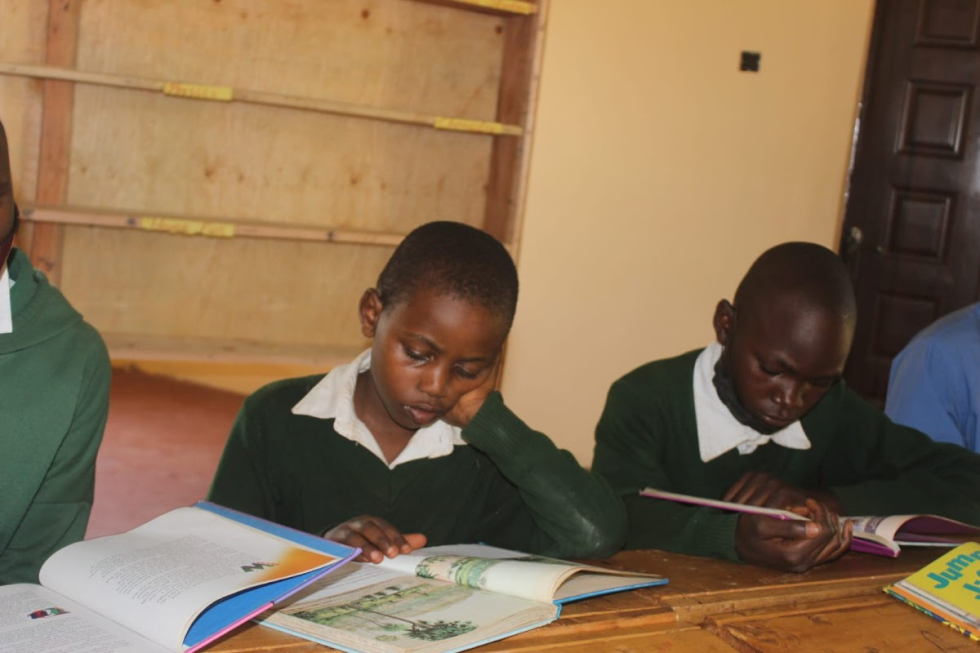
(161, 447)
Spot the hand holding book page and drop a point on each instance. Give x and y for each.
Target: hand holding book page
(877, 535)
(439, 599)
(174, 584)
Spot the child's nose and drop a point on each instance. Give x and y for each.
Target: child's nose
(789, 395)
(433, 382)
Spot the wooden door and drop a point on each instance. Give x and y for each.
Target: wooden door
(912, 227)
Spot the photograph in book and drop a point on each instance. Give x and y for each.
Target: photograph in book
(174, 584)
(880, 535)
(440, 599)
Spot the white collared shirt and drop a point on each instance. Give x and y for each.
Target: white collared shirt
(6, 316)
(333, 398)
(718, 430)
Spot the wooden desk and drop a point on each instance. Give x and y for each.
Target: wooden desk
(713, 606)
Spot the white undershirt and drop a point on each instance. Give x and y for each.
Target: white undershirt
(6, 317)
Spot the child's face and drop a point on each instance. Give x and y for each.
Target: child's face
(428, 351)
(783, 357)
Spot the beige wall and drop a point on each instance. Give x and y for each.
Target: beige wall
(659, 171)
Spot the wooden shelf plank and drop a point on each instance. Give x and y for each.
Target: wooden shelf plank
(124, 346)
(505, 7)
(228, 94)
(206, 227)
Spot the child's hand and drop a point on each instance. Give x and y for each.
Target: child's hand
(763, 489)
(468, 405)
(792, 545)
(375, 537)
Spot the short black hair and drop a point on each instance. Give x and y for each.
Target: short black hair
(455, 259)
(811, 272)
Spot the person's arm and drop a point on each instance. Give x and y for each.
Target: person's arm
(546, 503)
(628, 454)
(59, 513)
(924, 390)
(241, 481)
(641, 433)
(877, 467)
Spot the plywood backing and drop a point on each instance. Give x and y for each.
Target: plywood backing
(146, 154)
(161, 284)
(159, 154)
(383, 53)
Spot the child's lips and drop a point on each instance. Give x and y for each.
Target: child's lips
(780, 422)
(423, 414)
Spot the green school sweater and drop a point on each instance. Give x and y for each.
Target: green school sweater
(511, 487)
(647, 436)
(54, 399)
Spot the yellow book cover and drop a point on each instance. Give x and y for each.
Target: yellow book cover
(947, 589)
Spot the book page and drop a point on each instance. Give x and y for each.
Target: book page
(885, 527)
(487, 568)
(34, 619)
(155, 579)
(523, 575)
(370, 608)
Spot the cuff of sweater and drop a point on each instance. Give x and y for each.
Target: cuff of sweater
(719, 541)
(497, 431)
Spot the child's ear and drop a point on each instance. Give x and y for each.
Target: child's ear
(723, 321)
(370, 310)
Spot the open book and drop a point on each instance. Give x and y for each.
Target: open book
(173, 584)
(947, 589)
(879, 535)
(446, 598)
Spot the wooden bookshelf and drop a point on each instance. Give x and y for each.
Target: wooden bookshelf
(221, 181)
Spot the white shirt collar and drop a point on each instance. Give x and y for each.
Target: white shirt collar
(6, 316)
(333, 398)
(718, 430)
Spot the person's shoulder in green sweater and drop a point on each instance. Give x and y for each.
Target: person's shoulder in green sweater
(438, 318)
(762, 417)
(54, 400)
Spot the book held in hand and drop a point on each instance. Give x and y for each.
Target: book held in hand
(878, 535)
(442, 599)
(173, 584)
(947, 589)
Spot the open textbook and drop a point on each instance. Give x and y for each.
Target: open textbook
(879, 535)
(173, 584)
(947, 589)
(446, 598)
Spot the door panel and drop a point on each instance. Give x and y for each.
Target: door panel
(912, 227)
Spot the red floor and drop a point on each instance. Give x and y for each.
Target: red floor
(161, 446)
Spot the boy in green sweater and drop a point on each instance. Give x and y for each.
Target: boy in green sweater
(409, 444)
(762, 417)
(54, 400)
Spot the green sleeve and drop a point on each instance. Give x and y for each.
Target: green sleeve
(878, 467)
(632, 452)
(242, 480)
(545, 502)
(59, 513)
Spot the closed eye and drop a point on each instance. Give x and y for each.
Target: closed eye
(823, 383)
(466, 374)
(414, 355)
(769, 371)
